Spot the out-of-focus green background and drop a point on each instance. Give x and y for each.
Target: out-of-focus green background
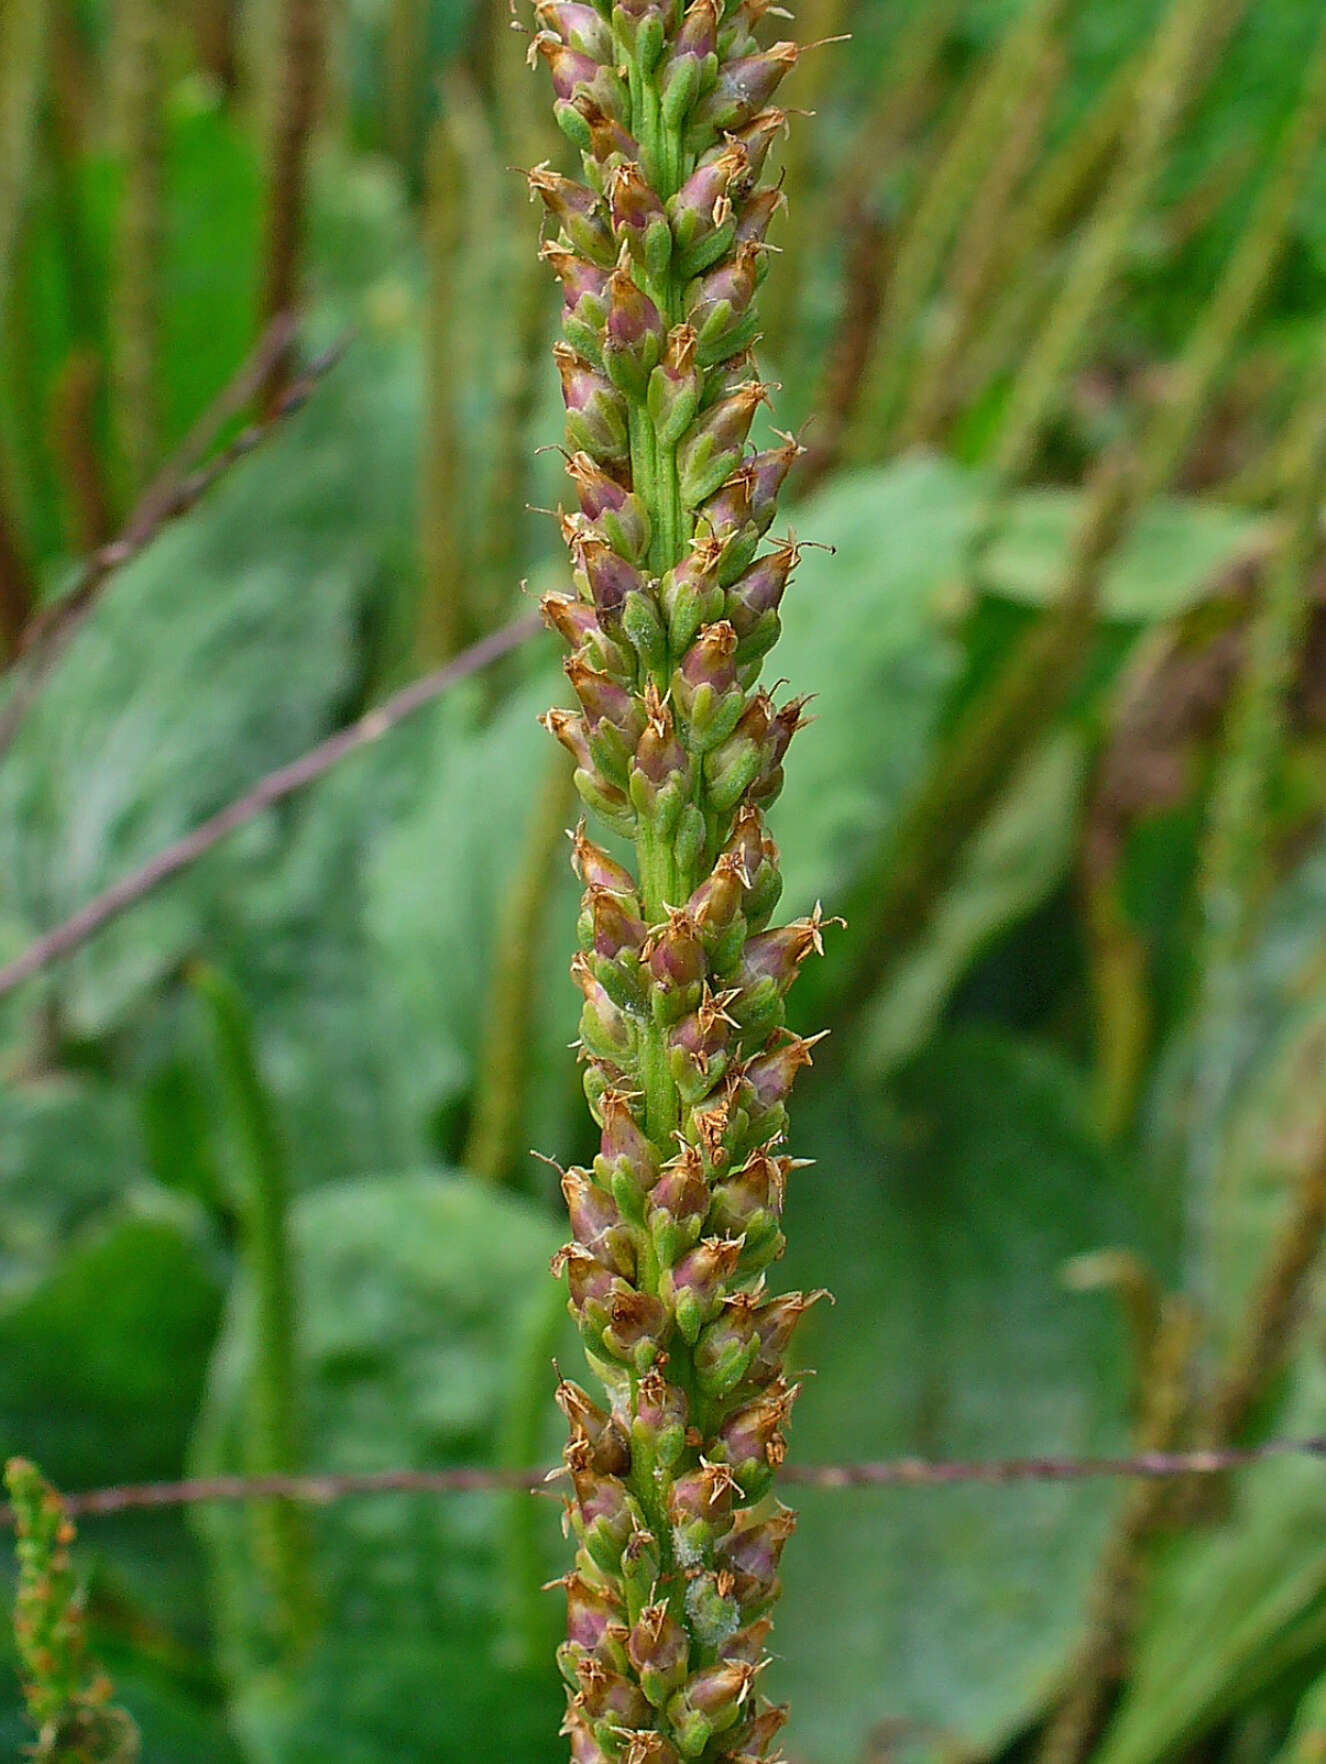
(1080, 1011)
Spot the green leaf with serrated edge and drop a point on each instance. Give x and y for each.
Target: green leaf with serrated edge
(1168, 563)
(1019, 856)
(427, 1326)
(941, 1222)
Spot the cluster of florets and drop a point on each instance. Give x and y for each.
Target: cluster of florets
(660, 253)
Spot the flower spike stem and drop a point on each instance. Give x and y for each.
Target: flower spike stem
(678, 750)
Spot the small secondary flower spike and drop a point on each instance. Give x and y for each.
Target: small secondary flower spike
(68, 1696)
(660, 253)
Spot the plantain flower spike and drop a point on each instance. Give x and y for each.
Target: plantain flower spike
(688, 1063)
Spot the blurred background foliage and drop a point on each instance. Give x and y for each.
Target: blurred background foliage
(1048, 315)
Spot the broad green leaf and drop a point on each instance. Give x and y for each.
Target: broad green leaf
(102, 1363)
(1016, 859)
(228, 647)
(68, 1148)
(427, 1322)
(941, 1228)
(436, 884)
(325, 1008)
(868, 632)
(1167, 564)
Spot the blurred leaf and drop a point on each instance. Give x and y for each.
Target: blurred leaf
(1234, 1607)
(227, 648)
(941, 1230)
(213, 233)
(1019, 856)
(1305, 1743)
(1167, 564)
(68, 1149)
(1267, 1121)
(101, 1365)
(435, 887)
(427, 1324)
(101, 1368)
(867, 631)
(325, 1009)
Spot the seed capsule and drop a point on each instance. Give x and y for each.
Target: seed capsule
(596, 419)
(638, 1328)
(585, 1749)
(597, 870)
(609, 1699)
(751, 1554)
(599, 1434)
(710, 1703)
(581, 215)
(616, 512)
(744, 86)
(580, 27)
(758, 594)
(695, 1287)
(661, 1414)
(597, 1224)
(625, 1151)
(715, 443)
(639, 219)
(703, 212)
(633, 336)
(659, 1649)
